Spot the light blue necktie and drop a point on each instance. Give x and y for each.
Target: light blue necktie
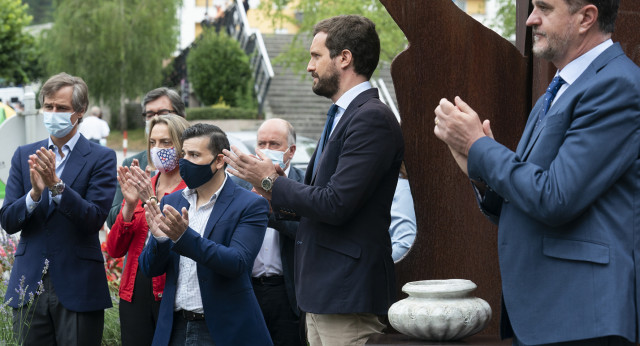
(331, 115)
(550, 94)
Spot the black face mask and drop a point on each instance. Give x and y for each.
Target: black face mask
(195, 175)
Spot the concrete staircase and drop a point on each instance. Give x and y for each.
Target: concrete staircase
(290, 96)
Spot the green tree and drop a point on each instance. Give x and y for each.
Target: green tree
(392, 39)
(18, 49)
(116, 46)
(505, 20)
(218, 69)
(41, 10)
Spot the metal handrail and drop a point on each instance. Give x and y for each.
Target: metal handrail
(252, 43)
(386, 95)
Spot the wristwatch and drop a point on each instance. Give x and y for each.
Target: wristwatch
(57, 188)
(267, 183)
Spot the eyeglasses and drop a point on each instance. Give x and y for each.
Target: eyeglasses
(151, 114)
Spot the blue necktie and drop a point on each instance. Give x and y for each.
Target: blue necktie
(550, 94)
(331, 115)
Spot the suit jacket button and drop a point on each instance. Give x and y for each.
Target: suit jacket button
(160, 295)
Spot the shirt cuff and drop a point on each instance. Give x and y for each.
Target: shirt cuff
(31, 204)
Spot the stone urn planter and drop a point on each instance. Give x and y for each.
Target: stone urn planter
(440, 310)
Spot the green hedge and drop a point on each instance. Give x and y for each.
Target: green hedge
(214, 113)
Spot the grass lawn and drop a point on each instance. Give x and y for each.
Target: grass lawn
(2, 186)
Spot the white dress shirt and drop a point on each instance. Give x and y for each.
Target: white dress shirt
(188, 288)
(268, 262)
(345, 100)
(575, 68)
(61, 162)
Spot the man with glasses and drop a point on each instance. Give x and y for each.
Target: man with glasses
(158, 101)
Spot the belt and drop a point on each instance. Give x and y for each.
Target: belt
(190, 315)
(268, 280)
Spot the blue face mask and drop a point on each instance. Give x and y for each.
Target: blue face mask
(58, 124)
(277, 157)
(195, 175)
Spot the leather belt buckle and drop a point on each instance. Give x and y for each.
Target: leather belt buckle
(190, 315)
(268, 280)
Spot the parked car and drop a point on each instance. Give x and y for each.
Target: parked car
(304, 146)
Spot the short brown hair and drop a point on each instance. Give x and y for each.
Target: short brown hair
(80, 96)
(356, 34)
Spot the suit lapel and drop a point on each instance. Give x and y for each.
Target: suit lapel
(533, 131)
(222, 203)
(76, 161)
(357, 102)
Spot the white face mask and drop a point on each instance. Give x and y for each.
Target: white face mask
(58, 124)
(276, 156)
(164, 159)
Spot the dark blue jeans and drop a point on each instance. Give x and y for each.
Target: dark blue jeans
(189, 333)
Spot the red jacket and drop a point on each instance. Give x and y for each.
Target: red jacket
(127, 238)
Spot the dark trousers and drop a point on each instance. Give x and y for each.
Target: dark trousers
(139, 317)
(282, 322)
(603, 341)
(189, 333)
(47, 322)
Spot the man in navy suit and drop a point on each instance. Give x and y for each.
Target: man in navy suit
(344, 273)
(205, 238)
(272, 274)
(567, 201)
(58, 198)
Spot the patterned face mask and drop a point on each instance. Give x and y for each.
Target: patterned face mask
(165, 160)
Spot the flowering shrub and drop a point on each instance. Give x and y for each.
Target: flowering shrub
(27, 298)
(112, 267)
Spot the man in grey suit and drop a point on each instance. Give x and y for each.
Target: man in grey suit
(156, 102)
(567, 200)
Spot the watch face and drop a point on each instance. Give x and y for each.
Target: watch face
(266, 184)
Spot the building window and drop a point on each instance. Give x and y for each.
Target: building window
(476, 7)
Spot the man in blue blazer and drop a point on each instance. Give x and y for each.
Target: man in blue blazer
(58, 198)
(205, 238)
(344, 273)
(567, 201)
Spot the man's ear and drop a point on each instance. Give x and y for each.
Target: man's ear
(345, 58)
(219, 161)
(292, 150)
(589, 18)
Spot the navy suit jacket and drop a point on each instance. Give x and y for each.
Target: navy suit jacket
(66, 235)
(343, 258)
(287, 230)
(224, 256)
(568, 206)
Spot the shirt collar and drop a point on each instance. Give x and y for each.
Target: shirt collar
(345, 100)
(71, 143)
(575, 68)
(190, 194)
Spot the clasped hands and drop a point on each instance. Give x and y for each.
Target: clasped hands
(251, 168)
(459, 126)
(42, 171)
(168, 224)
